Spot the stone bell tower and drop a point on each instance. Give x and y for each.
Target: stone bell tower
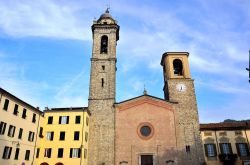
(179, 87)
(102, 90)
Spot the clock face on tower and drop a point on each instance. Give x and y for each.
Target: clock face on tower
(181, 87)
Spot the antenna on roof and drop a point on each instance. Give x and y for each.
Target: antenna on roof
(248, 69)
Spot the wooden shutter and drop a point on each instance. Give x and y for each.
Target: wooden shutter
(230, 148)
(71, 151)
(247, 149)
(238, 149)
(49, 154)
(60, 119)
(221, 149)
(67, 120)
(1, 126)
(215, 150)
(10, 149)
(52, 136)
(79, 153)
(4, 127)
(13, 131)
(4, 151)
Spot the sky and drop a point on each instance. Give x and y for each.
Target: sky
(45, 50)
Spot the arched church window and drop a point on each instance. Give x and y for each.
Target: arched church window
(104, 44)
(178, 67)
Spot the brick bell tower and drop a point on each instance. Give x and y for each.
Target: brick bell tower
(179, 87)
(102, 90)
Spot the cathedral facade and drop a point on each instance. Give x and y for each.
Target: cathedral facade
(144, 130)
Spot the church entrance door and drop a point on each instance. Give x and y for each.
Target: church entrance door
(147, 160)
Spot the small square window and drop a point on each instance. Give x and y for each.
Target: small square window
(7, 152)
(11, 131)
(50, 119)
(78, 120)
(47, 152)
(27, 155)
(64, 120)
(76, 135)
(20, 133)
(34, 118)
(50, 136)
(62, 135)
(2, 127)
(6, 105)
(15, 110)
(16, 154)
(60, 153)
(37, 152)
(24, 113)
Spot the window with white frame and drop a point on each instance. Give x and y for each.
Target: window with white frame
(31, 136)
(7, 152)
(50, 136)
(64, 120)
(47, 152)
(75, 153)
(11, 131)
(2, 127)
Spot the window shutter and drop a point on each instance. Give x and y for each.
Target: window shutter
(247, 149)
(79, 153)
(67, 119)
(60, 119)
(238, 148)
(205, 148)
(4, 152)
(49, 154)
(4, 127)
(52, 136)
(71, 150)
(13, 131)
(215, 150)
(230, 148)
(9, 152)
(1, 126)
(221, 149)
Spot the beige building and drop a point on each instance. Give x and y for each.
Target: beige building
(18, 130)
(226, 143)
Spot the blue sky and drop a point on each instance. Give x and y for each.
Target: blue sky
(45, 50)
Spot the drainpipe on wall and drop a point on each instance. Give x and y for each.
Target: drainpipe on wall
(246, 134)
(217, 141)
(82, 151)
(37, 134)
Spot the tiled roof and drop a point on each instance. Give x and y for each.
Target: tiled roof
(68, 109)
(19, 100)
(225, 126)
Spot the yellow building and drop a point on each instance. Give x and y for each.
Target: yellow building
(63, 137)
(18, 130)
(226, 143)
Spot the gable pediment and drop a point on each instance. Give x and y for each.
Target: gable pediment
(144, 99)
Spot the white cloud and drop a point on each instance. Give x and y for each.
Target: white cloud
(43, 19)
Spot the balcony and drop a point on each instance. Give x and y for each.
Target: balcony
(228, 158)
